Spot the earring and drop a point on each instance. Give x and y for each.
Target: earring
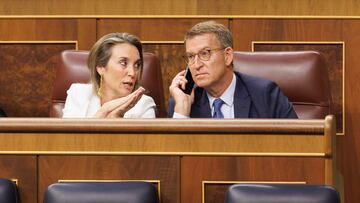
(100, 86)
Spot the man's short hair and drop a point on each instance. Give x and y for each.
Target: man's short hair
(221, 32)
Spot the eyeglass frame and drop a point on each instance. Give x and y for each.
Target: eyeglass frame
(209, 51)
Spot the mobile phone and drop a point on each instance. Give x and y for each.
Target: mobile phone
(190, 82)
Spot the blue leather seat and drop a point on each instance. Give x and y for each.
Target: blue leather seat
(281, 193)
(101, 192)
(8, 191)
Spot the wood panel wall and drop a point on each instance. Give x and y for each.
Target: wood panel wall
(100, 168)
(179, 7)
(194, 170)
(163, 36)
(23, 170)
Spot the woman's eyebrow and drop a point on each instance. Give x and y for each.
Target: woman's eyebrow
(123, 57)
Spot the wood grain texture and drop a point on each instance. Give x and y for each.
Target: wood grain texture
(166, 135)
(248, 30)
(151, 29)
(94, 7)
(27, 50)
(175, 151)
(165, 169)
(194, 170)
(24, 170)
(179, 7)
(349, 145)
(27, 73)
(38, 29)
(164, 126)
(86, 34)
(81, 30)
(172, 62)
(280, 7)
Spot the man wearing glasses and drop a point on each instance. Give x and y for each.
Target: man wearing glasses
(219, 91)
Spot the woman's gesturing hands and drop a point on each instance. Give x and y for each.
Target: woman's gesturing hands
(118, 107)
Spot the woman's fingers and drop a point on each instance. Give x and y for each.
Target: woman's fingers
(127, 103)
(118, 107)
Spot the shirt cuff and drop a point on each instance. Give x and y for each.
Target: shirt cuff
(177, 115)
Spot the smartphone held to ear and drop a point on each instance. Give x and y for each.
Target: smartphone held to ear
(190, 82)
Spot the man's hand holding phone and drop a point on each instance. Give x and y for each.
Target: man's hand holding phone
(190, 82)
(181, 89)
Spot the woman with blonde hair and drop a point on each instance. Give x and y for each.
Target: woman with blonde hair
(115, 62)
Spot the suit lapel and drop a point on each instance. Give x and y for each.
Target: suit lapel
(201, 106)
(242, 100)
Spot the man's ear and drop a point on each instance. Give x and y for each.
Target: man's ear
(100, 69)
(229, 55)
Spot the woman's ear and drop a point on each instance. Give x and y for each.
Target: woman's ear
(229, 55)
(100, 69)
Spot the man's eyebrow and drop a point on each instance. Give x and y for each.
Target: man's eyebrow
(198, 51)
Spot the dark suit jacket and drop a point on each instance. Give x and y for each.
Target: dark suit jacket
(254, 98)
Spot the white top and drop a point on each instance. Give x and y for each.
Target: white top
(81, 102)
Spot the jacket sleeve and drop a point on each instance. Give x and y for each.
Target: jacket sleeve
(171, 106)
(279, 104)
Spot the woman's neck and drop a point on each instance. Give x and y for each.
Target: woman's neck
(107, 95)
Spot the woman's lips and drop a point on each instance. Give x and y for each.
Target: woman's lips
(128, 84)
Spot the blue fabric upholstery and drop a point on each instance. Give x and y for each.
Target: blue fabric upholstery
(8, 191)
(101, 192)
(281, 193)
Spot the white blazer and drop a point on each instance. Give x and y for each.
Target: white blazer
(81, 102)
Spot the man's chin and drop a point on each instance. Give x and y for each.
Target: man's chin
(202, 84)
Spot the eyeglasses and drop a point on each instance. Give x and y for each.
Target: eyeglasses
(204, 55)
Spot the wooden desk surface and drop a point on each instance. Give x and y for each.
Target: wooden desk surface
(195, 160)
(263, 137)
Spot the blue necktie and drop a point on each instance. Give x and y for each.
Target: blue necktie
(217, 105)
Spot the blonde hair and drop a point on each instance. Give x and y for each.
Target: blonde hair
(101, 51)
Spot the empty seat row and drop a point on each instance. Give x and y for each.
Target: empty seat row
(145, 192)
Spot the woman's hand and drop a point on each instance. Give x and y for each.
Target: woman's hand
(118, 107)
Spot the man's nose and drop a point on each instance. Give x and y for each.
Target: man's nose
(197, 62)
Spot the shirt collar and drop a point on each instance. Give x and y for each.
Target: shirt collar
(227, 96)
